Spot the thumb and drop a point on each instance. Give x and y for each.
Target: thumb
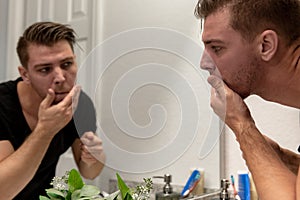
(89, 135)
(215, 82)
(49, 98)
(218, 86)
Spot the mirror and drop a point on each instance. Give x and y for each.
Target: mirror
(138, 61)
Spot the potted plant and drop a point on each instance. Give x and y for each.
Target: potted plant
(71, 187)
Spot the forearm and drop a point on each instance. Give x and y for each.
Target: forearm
(298, 185)
(289, 158)
(272, 178)
(19, 168)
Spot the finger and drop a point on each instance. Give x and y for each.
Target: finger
(75, 97)
(47, 102)
(218, 87)
(84, 149)
(92, 143)
(68, 100)
(88, 134)
(92, 155)
(215, 82)
(213, 94)
(88, 138)
(86, 155)
(88, 158)
(92, 149)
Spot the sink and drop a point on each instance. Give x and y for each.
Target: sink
(208, 194)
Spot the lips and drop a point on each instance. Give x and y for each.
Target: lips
(59, 96)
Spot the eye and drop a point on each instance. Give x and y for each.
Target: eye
(66, 65)
(216, 49)
(44, 70)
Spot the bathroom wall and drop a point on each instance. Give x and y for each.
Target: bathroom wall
(151, 64)
(3, 37)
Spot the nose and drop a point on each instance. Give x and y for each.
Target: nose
(207, 63)
(59, 75)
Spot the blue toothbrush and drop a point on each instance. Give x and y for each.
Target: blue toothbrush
(191, 183)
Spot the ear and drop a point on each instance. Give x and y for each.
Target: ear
(24, 74)
(268, 44)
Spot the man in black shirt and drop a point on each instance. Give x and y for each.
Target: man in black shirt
(37, 119)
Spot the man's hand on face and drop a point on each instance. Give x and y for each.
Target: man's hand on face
(54, 117)
(227, 104)
(91, 148)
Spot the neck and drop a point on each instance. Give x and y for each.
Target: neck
(282, 79)
(29, 99)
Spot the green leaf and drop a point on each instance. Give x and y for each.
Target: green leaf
(89, 198)
(124, 189)
(43, 198)
(56, 194)
(122, 186)
(75, 181)
(113, 196)
(76, 195)
(128, 196)
(89, 190)
(68, 197)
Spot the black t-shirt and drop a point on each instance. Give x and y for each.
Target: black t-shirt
(13, 127)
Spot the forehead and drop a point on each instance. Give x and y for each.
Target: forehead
(217, 26)
(42, 53)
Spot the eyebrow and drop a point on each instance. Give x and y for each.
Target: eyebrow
(42, 65)
(67, 59)
(213, 41)
(49, 64)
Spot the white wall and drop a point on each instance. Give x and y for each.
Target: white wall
(3, 37)
(119, 17)
(14, 28)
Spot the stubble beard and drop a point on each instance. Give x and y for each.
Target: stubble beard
(246, 78)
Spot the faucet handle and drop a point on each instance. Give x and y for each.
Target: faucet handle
(224, 186)
(167, 179)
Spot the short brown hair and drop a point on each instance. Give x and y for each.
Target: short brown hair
(44, 33)
(251, 17)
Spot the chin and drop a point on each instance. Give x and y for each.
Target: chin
(244, 96)
(56, 101)
(240, 92)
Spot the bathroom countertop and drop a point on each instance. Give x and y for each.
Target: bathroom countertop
(209, 194)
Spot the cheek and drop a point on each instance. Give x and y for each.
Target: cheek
(71, 75)
(233, 73)
(227, 68)
(40, 81)
(41, 86)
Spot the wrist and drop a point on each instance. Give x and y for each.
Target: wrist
(243, 127)
(43, 131)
